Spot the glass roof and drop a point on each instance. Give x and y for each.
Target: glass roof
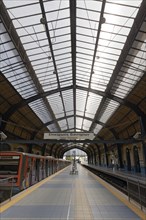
(72, 51)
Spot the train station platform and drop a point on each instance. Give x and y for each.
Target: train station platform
(123, 172)
(71, 197)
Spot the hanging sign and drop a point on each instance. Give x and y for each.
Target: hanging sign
(70, 136)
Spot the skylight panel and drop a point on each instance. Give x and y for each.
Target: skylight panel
(88, 5)
(66, 83)
(61, 44)
(80, 100)
(115, 51)
(110, 106)
(62, 124)
(86, 31)
(91, 15)
(82, 83)
(84, 56)
(85, 44)
(100, 80)
(82, 37)
(99, 86)
(115, 29)
(56, 5)
(103, 68)
(107, 55)
(60, 31)
(40, 109)
(81, 63)
(78, 122)
(56, 103)
(113, 37)
(97, 129)
(86, 124)
(52, 128)
(131, 3)
(15, 6)
(70, 122)
(68, 100)
(93, 103)
(82, 77)
(56, 15)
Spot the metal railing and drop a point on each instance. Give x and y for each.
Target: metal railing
(134, 186)
(136, 192)
(6, 186)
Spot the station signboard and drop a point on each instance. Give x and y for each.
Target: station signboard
(70, 136)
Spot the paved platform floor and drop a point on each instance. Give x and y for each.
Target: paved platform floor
(70, 197)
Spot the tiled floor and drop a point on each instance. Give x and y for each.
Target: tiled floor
(70, 197)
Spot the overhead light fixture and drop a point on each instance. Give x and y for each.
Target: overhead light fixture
(97, 57)
(103, 20)
(3, 136)
(43, 20)
(54, 72)
(49, 57)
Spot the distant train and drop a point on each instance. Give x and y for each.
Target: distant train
(19, 170)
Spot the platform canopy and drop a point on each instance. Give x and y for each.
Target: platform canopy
(72, 66)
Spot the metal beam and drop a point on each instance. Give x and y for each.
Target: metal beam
(25, 102)
(52, 53)
(73, 52)
(95, 141)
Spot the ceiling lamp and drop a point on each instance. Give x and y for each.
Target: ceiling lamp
(43, 20)
(103, 20)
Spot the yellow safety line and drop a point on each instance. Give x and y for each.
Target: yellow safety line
(119, 195)
(26, 192)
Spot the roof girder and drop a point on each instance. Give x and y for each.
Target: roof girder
(73, 45)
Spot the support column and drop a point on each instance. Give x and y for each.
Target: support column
(43, 149)
(105, 154)
(51, 150)
(30, 147)
(99, 155)
(144, 155)
(143, 134)
(94, 157)
(120, 160)
(2, 124)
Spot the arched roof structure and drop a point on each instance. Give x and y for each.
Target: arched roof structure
(72, 66)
